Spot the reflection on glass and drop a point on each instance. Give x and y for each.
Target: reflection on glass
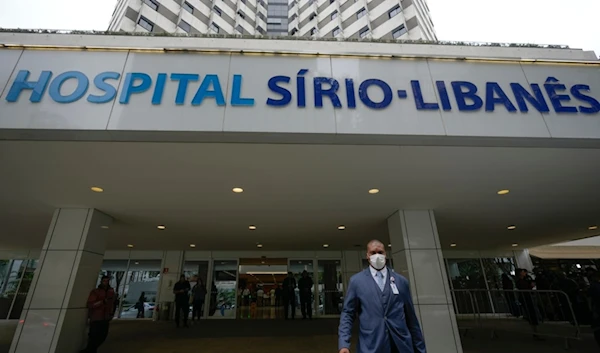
(331, 288)
(197, 274)
(467, 274)
(297, 267)
(495, 268)
(136, 289)
(15, 280)
(223, 289)
(29, 267)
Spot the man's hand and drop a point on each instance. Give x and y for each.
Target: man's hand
(344, 350)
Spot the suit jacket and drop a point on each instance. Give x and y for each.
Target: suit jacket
(383, 323)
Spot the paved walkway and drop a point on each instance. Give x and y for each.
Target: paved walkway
(261, 336)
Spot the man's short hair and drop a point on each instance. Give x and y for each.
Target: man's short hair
(374, 241)
(105, 277)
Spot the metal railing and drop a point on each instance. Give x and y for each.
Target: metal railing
(544, 313)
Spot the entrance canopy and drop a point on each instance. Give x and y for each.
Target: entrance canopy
(297, 195)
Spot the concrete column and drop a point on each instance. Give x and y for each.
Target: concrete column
(523, 259)
(172, 266)
(417, 255)
(55, 311)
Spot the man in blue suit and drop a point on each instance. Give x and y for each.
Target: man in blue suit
(382, 301)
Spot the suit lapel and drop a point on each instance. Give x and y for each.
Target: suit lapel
(388, 287)
(372, 284)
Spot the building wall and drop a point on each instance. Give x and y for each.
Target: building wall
(357, 19)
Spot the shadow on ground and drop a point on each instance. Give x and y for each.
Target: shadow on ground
(317, 336)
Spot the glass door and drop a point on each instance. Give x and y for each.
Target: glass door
(196, 271)
(330, 288)
(306, 286)
(223, 289)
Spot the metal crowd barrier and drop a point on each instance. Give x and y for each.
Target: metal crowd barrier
(543, 313)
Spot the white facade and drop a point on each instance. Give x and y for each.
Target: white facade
(344, 19)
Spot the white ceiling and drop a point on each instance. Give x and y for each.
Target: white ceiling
(297, 195)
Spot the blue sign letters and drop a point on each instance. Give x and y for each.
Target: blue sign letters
(461, 95)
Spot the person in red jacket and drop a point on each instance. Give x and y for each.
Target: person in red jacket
(101, 305)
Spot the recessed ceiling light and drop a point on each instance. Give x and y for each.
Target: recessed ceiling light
(104, 227)
(503, 192)
(512, 227)
(593, 227)
(342, 227)
(161, 227)
(389, 245)
(515, 244)
(130, 245)
(259, 245)
(453, 245)
(238, 190)
(192, 245)
(137, 263)
(325, 245)
(252, 227)
(262, 262)
(373, 191)
(97, 189)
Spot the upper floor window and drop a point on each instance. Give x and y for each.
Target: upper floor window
(189, 8)
(336, 31)
(398, 32)
(146, 23)
(393, 12)
(334, 15)
(153, 4)
(241, 14)
(185, 26)
(214, 28)
(361, 13)
(217, 10)
(313, 31)
(364, 32)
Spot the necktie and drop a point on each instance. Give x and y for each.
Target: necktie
(379, 278)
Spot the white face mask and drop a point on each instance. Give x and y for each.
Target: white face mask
(377, 261)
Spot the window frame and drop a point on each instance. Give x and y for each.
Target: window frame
(336, 29)
(397, 10)
(150, 23)
(334, 15)
(362, 11)
(364, 32)
(218, 11)
(152, 4)
(186, 4)
(189, 25)
(214, 26)
(399, 29)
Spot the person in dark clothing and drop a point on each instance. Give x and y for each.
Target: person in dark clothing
(199, 295)
(305, 285)
(101, 308)
(140, 305)
(594, 293)
(278, 295)
(508, 286)
(528, 308)
(182, 299)
(289, 295)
